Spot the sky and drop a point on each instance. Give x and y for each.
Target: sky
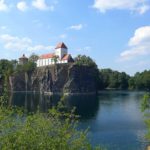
(114, 33)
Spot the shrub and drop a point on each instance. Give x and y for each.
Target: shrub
(39, 131)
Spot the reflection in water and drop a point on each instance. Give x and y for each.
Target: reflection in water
(86, 105)
(114, 117)
(33, 101)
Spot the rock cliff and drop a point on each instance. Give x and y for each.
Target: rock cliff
(1, 85)
(60, 78)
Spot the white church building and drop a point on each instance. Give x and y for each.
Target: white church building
(59, 56)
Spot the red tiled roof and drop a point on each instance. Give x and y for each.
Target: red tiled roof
(46, 56)
(61, 45)
(66, 57)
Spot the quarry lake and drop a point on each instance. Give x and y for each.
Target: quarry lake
(114, 118)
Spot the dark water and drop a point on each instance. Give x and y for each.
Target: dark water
(114, 119)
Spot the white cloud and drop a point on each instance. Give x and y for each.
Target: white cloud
(3, 27)
(40, 47)
(139, 44)
(14, 42)
(3, 6)
(76, 27)
(25, 44)
(41, 5)
(143, 9)
(63, 36)
(141, 35)
(22, 6)
(140, 6)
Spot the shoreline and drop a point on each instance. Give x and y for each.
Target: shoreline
(56, 93)
(71, 94)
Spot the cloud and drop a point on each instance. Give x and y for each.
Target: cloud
(76, 27)
(140, 6)
(3, 6)
(138, 45)
(15, 43)
(41, 5)
(63, 36)
(22, 6)
(40, 47)
(3, 27)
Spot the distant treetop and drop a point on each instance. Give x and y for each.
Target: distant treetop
(85, 60)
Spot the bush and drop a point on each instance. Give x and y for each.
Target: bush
(145, 105)
(40, 131)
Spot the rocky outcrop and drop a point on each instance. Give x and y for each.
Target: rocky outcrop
(60, 78)
(1, 86)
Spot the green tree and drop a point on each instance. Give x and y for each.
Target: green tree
(6, 67)
(6, 70)
(142, 80)
(114, 79)
(85, 60)
(33, 57)
(131, 83)
(145, 105)
(28, 67)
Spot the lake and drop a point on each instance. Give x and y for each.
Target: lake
(114, 118)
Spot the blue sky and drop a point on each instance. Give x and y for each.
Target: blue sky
(115, 33)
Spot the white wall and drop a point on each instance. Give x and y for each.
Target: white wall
(61, 52)
(46, 62)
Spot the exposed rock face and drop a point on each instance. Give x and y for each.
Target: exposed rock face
(1, 85)
(60, 78)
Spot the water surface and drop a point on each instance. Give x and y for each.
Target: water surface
(114, 118)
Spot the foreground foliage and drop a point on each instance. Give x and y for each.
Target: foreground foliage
(145, 107)
(39, 131)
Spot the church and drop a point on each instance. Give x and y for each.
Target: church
(60, 56)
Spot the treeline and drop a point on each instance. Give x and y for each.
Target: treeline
(110, 79)
(140, 81)
(10, 67)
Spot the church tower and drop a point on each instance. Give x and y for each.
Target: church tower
(61, 50)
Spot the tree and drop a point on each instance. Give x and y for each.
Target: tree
(85, 60)
(28, 67)
(33, 58)
(6, 70)
(114, 79)
(145, 105)
(6, 67)
(142, 80)
(131, 83)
